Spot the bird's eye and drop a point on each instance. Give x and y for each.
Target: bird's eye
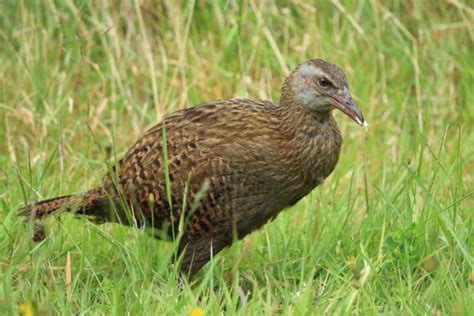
(323, 82)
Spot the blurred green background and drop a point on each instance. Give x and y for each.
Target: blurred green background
(389, 232)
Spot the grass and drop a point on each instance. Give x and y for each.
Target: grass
(390, 232)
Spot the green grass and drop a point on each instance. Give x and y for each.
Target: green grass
(391, 230)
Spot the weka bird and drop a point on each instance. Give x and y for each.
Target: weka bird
(232, 165)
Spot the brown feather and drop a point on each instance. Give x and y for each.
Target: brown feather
(240, 161)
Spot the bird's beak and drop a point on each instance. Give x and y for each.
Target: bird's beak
(346, 104)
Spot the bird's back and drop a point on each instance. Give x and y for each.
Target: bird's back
(213, 152)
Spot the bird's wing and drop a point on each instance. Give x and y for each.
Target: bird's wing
(198, 165)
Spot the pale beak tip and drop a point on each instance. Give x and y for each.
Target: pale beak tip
(365, 125)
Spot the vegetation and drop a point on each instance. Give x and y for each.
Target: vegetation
(391, 231)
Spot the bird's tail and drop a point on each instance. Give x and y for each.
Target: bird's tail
(91, 203)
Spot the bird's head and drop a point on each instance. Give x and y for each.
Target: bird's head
(320, 87)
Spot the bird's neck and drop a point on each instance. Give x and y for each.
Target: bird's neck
(313, 138)
(297, 118)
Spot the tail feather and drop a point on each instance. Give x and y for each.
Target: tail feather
(89, 203)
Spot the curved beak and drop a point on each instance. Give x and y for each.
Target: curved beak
(346, 104)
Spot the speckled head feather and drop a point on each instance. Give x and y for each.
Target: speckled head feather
(335, 74)
(319, 87)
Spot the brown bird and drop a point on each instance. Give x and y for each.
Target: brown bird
(224, 168)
